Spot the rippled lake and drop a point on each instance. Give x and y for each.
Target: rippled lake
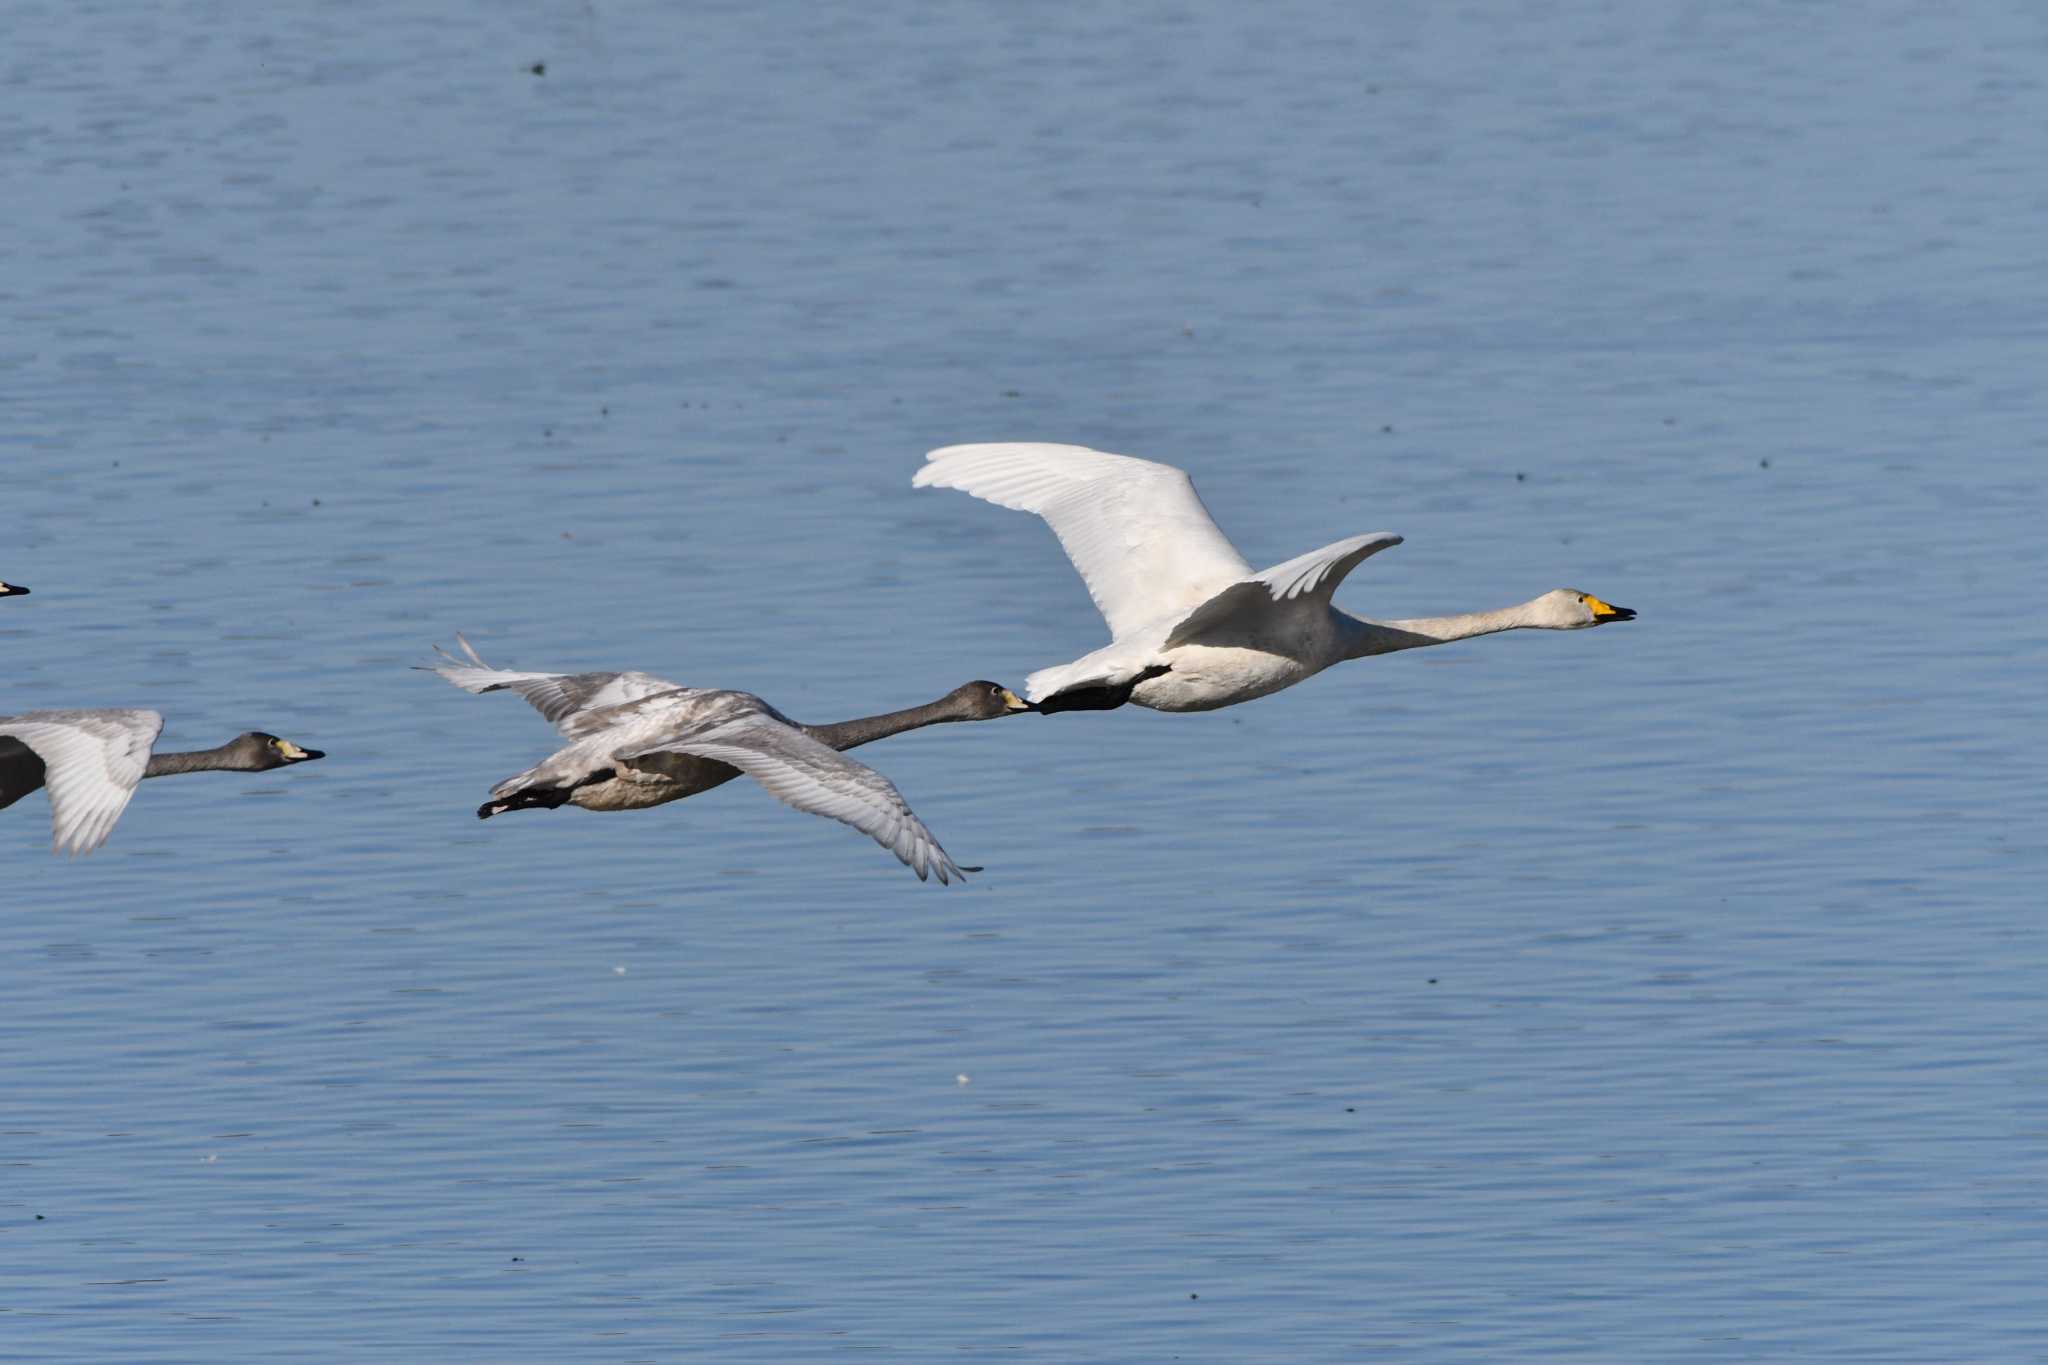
(1669, 991)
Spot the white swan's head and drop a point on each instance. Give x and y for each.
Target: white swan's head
(12, 590)
(1570, 609)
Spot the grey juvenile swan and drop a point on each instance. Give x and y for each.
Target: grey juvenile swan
(91, 761)
(638, 741)
(1192, 626)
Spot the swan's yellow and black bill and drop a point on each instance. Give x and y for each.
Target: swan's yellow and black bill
(12, 590)
(1016, 703)
(1603, 612)
(293, 753)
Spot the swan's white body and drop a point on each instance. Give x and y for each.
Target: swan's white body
(1193, 626)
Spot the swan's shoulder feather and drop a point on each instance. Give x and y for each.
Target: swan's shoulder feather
(91, 763)
(1318, 572)
(1241, 608)
(677, 711)
(810, 776)
(1137, 531)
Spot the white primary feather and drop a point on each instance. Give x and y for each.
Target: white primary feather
(1137, 531)
(92, 761)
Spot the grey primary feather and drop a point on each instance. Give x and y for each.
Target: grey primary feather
(557, 696)
(813, 777)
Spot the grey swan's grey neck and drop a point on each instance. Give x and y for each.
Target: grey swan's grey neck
(228, 758)
(850, 734)
(1365, 637)
(971, 701)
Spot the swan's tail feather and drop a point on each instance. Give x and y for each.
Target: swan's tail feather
(471, 673)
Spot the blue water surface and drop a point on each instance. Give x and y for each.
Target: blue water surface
(1669, 991)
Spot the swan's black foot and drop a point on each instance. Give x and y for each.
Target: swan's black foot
(533, 798)
(1099, 696)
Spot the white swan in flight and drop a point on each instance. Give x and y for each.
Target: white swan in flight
(638, 741)
(91, 761)
(1192, 626)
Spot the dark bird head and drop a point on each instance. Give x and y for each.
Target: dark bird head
(260, 751)
(985, 700)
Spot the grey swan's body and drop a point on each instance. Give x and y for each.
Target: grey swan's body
(90, 762)
(1192, 626)
(12, 590)
(638, 741)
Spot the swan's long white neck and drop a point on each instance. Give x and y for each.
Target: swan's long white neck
(1362, 637)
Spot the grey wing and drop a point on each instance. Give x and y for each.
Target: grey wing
(91, 763)
(813, 777)
(557, 696)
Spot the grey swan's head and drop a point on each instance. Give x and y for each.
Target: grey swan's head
(983, 700)
(253, 751)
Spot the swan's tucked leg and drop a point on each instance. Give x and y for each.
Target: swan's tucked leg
(1100, 694)
(537, 798)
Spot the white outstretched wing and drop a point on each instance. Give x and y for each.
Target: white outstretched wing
(1309, 578)
(801, 772)
(557, 696)
(91, 763)
(1137, 531)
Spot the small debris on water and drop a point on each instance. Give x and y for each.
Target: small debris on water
(963, 1079)
(539, 68)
